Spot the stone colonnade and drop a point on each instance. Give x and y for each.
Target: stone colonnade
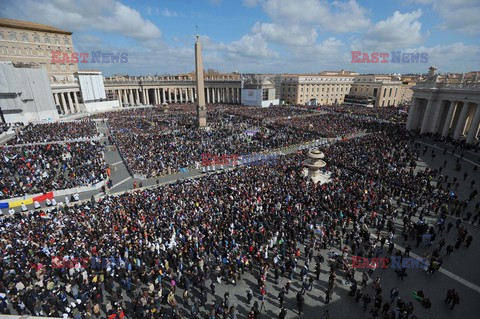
(158, 95)
(66, 102)
(459, 118)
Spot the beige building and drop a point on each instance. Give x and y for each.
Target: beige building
(31, 44)
(28, 44)
(375, 90)
(329, 87)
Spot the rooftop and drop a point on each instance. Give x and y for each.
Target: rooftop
(18, 24)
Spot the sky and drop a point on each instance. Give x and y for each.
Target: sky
(264, 36)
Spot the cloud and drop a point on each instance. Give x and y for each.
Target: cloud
(79, 16)
(458, 15)
(290, 35)
(250, 46)
(169, 13)
(396, 32)
(337, 17)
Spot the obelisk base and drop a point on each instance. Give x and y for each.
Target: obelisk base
(202, 118)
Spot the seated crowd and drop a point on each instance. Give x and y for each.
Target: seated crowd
(57, 131)
(43, 168)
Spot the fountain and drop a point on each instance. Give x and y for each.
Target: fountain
(314, 164)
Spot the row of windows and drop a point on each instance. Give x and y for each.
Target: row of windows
(16, 51)
(27, 51)
(63, 67)
(315, 95)
(36, 38)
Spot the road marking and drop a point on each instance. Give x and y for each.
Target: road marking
(121, 182)
(465, 159)
(116, 163)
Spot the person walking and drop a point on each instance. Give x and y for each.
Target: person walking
(455, 299)
(300, 302)
(366, 300)
(328, 295)
(249, 296)
(394, 294)
(281, 298)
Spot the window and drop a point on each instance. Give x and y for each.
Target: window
(1, 35)
(24, 37)
(40, 53)
(57, 40)
(64, 67)
(36, 38)
(67, 42)
(13, 36)
(47, 40)
(30, 51)
(54, 66)
(72, 67)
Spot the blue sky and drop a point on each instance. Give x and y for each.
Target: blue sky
(264, 36)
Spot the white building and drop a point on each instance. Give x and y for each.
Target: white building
(259, 92)
(93, 92)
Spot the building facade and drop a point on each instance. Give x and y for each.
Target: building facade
(375, 91)
(326, 88)
(156, 90)
(31, 44)
(448, 105)
(259, 90)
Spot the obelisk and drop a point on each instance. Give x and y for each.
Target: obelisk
(201, 109)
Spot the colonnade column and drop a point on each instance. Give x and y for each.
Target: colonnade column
(55, 97)
(448, 120)
(411, 111)
(461, 122)
(75, 99)
(125, 99)
(427, 118)
(64, 104)
(70, 104)
(473, 130)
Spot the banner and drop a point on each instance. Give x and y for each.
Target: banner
(28, 201)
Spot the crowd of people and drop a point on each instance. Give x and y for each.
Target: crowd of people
(170, 246)
(390, 114)
(57, 131)
(155, 143)
(269, 113)
(35, 169)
